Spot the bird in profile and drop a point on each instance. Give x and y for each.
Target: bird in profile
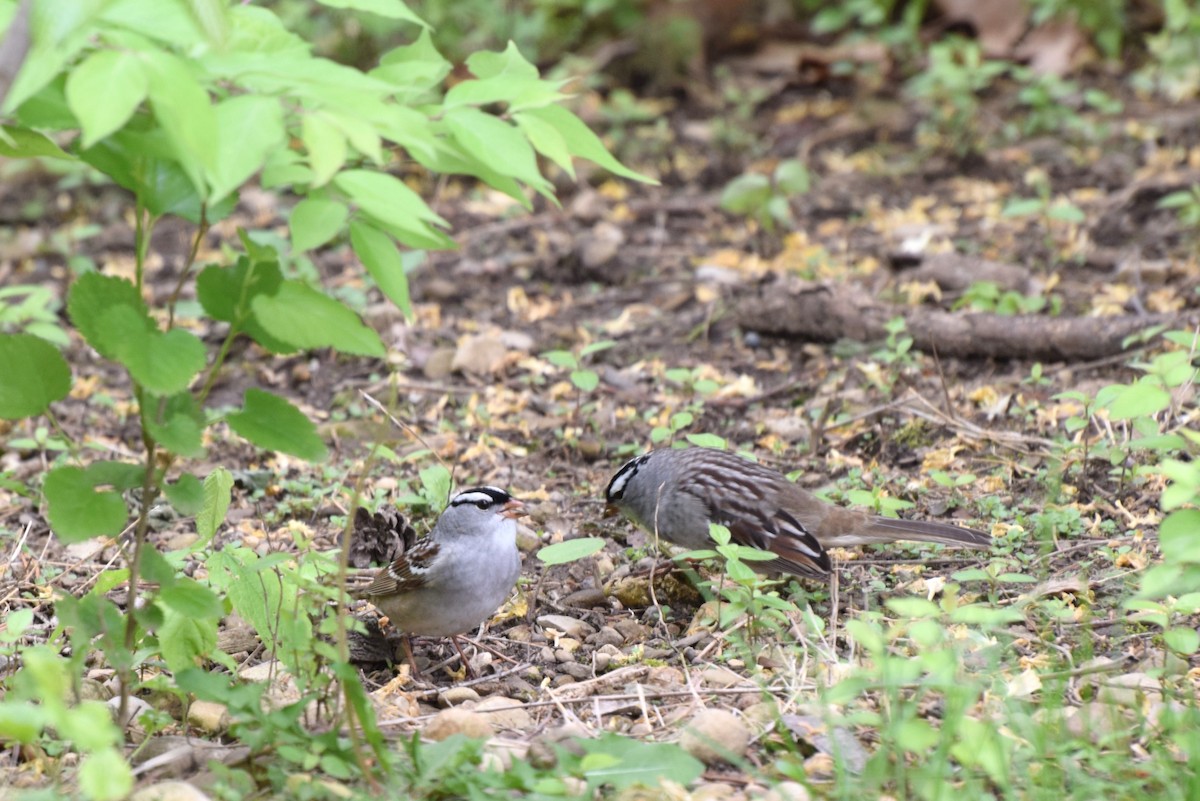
(677, 492)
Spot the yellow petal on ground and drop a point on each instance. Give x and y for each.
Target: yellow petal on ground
(917, 292)
(984, 396)
(940, 458)
(743, 386)
(991, 484)
(1024, 685)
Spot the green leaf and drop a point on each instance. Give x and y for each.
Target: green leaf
(35, 375)
(913, 607)
(186, 494)
(560, 553)
(1145, 396)
(94, 295)
(177, 424)
(306, 319)
(386, 198)
(215, 504)
(256, 594)
(582, 142)
(1066, 212)
(164, 363)
(585, 380)
(507, 63)
(228, 292)
(182, 107)
(251, 129)
(413, 69)
(105, 775)
(392, 9)
(315, 221)
(1022, 207)
(383, 260)
(273, 423)
(1182, 640)
(792, 177)
(622, 762)
(189, 597)
(435, 485)
(746, 194)
(1177, 537)
(706, 440)
(494, 141)
(185, 638)
(77, 511)
(326, 146)
(104, 90)
(22, 143)
(21, 721)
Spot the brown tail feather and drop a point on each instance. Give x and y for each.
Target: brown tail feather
(891, 529)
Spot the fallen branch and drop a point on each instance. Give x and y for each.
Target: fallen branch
(829, 313)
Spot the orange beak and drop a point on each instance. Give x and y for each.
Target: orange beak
(611, 510)
(513, 509)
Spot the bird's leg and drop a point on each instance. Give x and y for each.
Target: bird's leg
(406, 644)
(466, 665)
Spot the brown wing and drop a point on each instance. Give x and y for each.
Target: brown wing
(799, 552)
(406, 574)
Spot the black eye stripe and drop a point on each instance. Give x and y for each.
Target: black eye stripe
(616, 486)
(483, 497)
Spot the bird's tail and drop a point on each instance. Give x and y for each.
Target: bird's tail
(891, 529)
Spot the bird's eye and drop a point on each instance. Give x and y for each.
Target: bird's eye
(483, 504)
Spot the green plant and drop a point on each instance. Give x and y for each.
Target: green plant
(1186, 203)
(1043, 204)
(986, 296)
(1104, 20)
(1050, 104)
(743, 591)
(876, 17)
(1174, 67)
(766, 199)
(182, 105)
(33, 310)
(950, 85)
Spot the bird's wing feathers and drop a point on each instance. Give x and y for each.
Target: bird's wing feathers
(409, 572)
(779, 533)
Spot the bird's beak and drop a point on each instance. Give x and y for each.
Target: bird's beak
(611, 510)
(513, 509)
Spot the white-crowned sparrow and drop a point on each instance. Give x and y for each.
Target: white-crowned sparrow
(678, 492)
(455, 578)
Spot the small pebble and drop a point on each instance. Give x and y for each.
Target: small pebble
(715, 736)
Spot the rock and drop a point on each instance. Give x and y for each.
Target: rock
(439, 364)
(609, 636)
(576, 670)
(570, 626)
(786, 791)
(454, 696)
(504, 713)
(480, 354)
(715, 736)
(1130, 689)
(588, 598)
(169, 791)
(712, 791)
(722, 677)
(666, 676)
(208, 716)
(633, 592)
(631, 630)
(568, 645)
(457, 720)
